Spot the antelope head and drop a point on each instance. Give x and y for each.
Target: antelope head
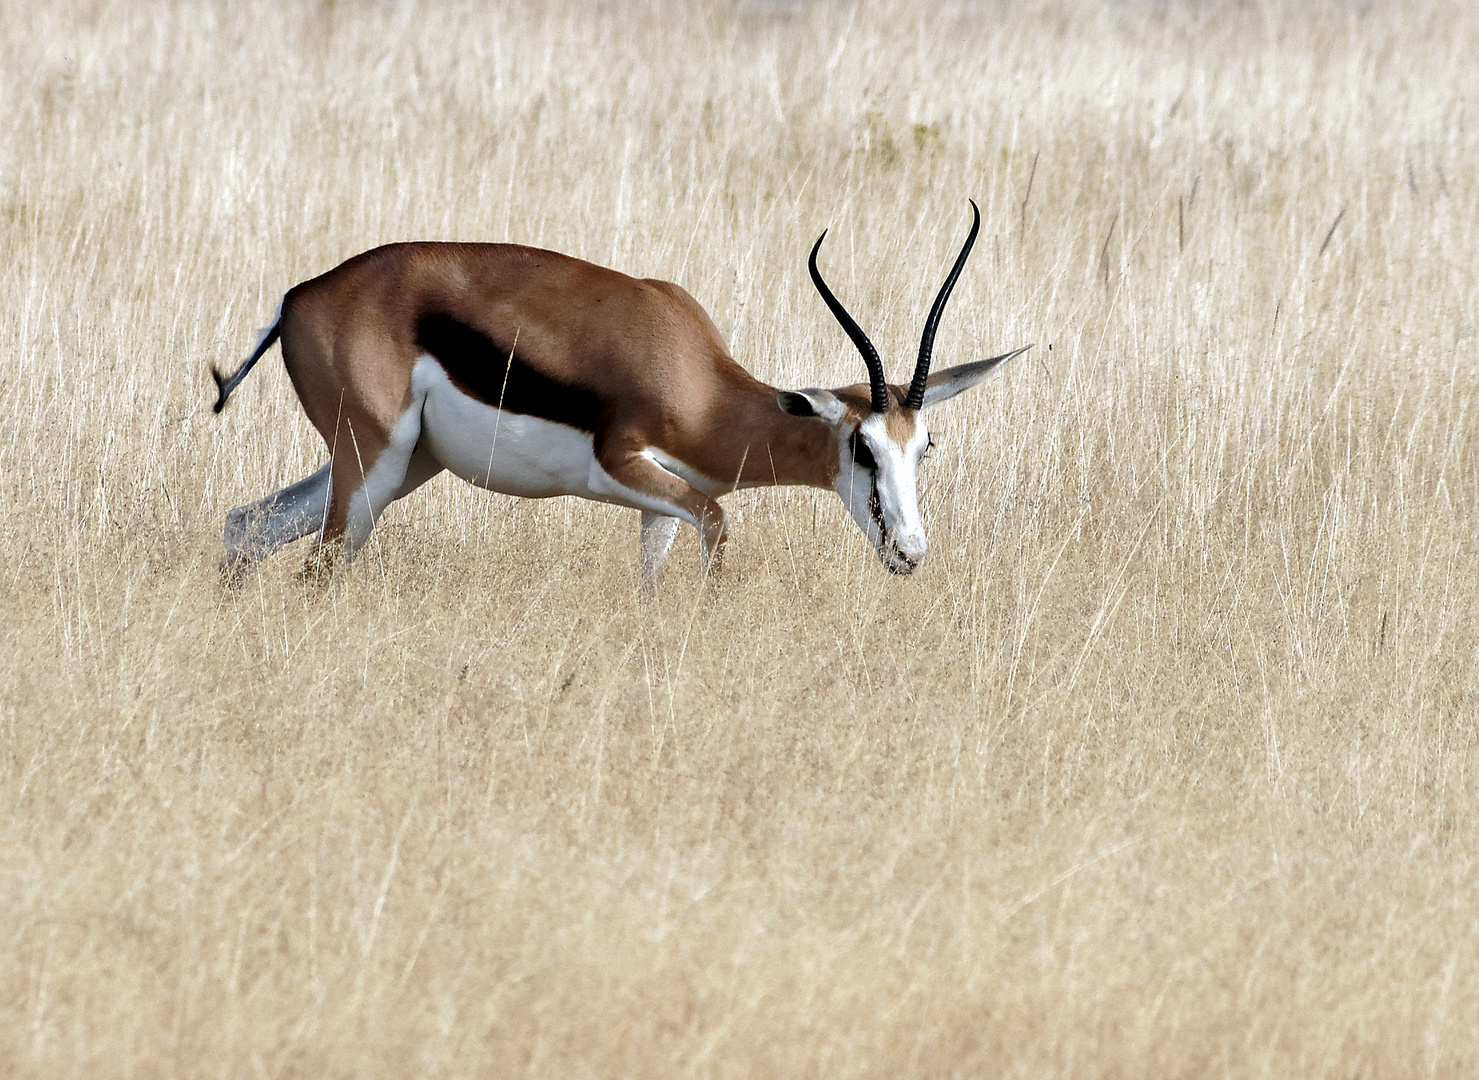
(881, 434)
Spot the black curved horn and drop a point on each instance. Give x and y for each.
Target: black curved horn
(915, 400)
(854, 331)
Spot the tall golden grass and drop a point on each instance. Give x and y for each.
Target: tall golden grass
(1163, 766)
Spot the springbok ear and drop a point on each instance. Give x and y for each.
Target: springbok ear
(823, 404)
(944, 385)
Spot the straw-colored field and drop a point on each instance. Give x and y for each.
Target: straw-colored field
(1164, 765)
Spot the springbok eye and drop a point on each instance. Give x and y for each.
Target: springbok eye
(861, 454)
(927, 448)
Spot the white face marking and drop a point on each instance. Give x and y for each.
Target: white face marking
(883, 501)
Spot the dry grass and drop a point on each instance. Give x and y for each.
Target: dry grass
(1164, 766)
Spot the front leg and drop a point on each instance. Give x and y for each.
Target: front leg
(658, 531)
(627, 474)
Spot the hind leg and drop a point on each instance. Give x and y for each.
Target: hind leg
(358, 497)
(257, 530)
(421, 468)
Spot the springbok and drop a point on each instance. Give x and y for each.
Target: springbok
(536, 374)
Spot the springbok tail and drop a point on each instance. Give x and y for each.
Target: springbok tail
(224, 386)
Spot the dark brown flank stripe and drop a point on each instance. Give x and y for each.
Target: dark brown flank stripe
(480, 368)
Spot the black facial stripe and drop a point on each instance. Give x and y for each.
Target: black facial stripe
(863, 457)
(480, 368)
(861, 454)
(875, 508)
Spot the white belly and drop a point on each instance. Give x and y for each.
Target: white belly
(498, 450)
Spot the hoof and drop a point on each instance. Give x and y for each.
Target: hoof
(235, 568)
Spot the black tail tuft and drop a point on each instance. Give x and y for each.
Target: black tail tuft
(224, 386)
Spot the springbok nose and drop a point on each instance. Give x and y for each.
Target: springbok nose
(911, 546)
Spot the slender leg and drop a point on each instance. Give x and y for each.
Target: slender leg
(658, 531)
(351, 517)
(421, 468)
(626, 475)
(255, 531)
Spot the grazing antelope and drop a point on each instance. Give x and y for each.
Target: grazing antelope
(536, 374)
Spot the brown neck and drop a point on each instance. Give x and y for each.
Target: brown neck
(749, 437)
(788, 449)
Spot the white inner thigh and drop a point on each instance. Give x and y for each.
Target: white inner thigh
(383, 482)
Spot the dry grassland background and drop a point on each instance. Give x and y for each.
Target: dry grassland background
(1163, 766)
